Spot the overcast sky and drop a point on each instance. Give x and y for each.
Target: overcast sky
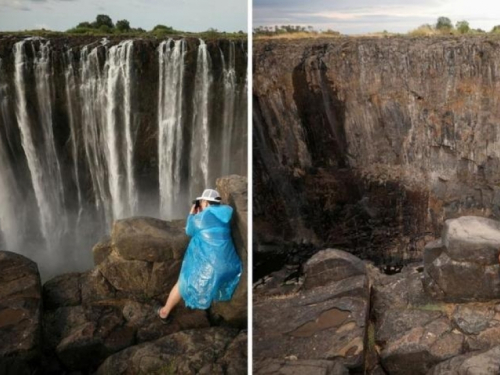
(187, 15)
(364, 16)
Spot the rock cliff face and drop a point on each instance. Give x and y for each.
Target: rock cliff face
(369, 144)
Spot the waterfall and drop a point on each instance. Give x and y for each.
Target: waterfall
(10, 215)
(92, 99)
(229, 80)
(97, 132)
(171, 58)
(199, 170)
(71, 103)
(107, 128)
(38, 140)
(118, 95)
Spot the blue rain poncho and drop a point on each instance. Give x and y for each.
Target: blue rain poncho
(211, 268)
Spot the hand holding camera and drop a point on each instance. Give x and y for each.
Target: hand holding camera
(196, 207)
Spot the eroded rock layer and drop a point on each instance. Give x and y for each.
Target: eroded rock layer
(368, 144)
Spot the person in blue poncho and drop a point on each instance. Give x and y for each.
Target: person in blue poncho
(211, 268)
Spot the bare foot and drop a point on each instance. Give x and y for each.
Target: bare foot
(163, 313)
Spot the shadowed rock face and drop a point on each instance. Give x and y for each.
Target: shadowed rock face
(368, 144)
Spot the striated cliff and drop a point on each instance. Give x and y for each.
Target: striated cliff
(369, 144)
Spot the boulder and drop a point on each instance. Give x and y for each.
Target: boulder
(63, 290)
(234, 191)
(476, 363)
(84, 336)
(331, 265)
(148, 239)
(195, 351)
(463, 265)
(101, 250)
(319, 323)
(299, 367)
(20, 314)
(412, 332)
(143, 257)
(284, 281)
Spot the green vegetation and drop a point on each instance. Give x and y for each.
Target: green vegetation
(291, 31)
(104, 26)
(444, 26)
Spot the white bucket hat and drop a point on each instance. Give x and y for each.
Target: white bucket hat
(210, 195)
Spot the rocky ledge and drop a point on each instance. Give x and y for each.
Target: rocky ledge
(104, 320)
(341, 315)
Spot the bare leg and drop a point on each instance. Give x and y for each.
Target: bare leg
(173, 299)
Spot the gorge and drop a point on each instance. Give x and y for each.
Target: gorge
(368, 144)
(93, 130)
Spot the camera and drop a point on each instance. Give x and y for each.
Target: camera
(196, 203)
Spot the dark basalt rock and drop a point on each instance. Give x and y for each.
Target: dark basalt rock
(199, 351)
(20, 314)
(321, 321)
(463, 265)
(369, 144)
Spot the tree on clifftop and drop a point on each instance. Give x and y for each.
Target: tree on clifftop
(444, 24)
(122, 25)
(103, 20)
(463, 27)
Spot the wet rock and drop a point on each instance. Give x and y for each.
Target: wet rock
(299, 367)
(475, 363)
(331, 265)
(314, 324)
(20, 314)
(234, 191)
(463, 266)
(187, 352)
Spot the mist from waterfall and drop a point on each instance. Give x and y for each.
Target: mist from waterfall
(76, 139)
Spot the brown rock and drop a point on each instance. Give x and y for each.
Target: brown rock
(20, 313)
(463, 266)
(299, 367)
(331, 265)
(101, 250)
(148, 239)
(319, 323)
(234, 191)
(63, 290)
(181, 353)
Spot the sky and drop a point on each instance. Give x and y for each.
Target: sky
(186, 15)
(366, 16)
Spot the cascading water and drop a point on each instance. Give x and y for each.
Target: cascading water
(118, 111)
(37, 141)
(10, 217)
(229, 79)
(94, 133)
(171, 55)
(200, 131)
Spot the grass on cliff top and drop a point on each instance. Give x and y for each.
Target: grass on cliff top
(419, 32)
(148, 34)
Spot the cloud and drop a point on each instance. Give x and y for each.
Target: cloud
(370, 15)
